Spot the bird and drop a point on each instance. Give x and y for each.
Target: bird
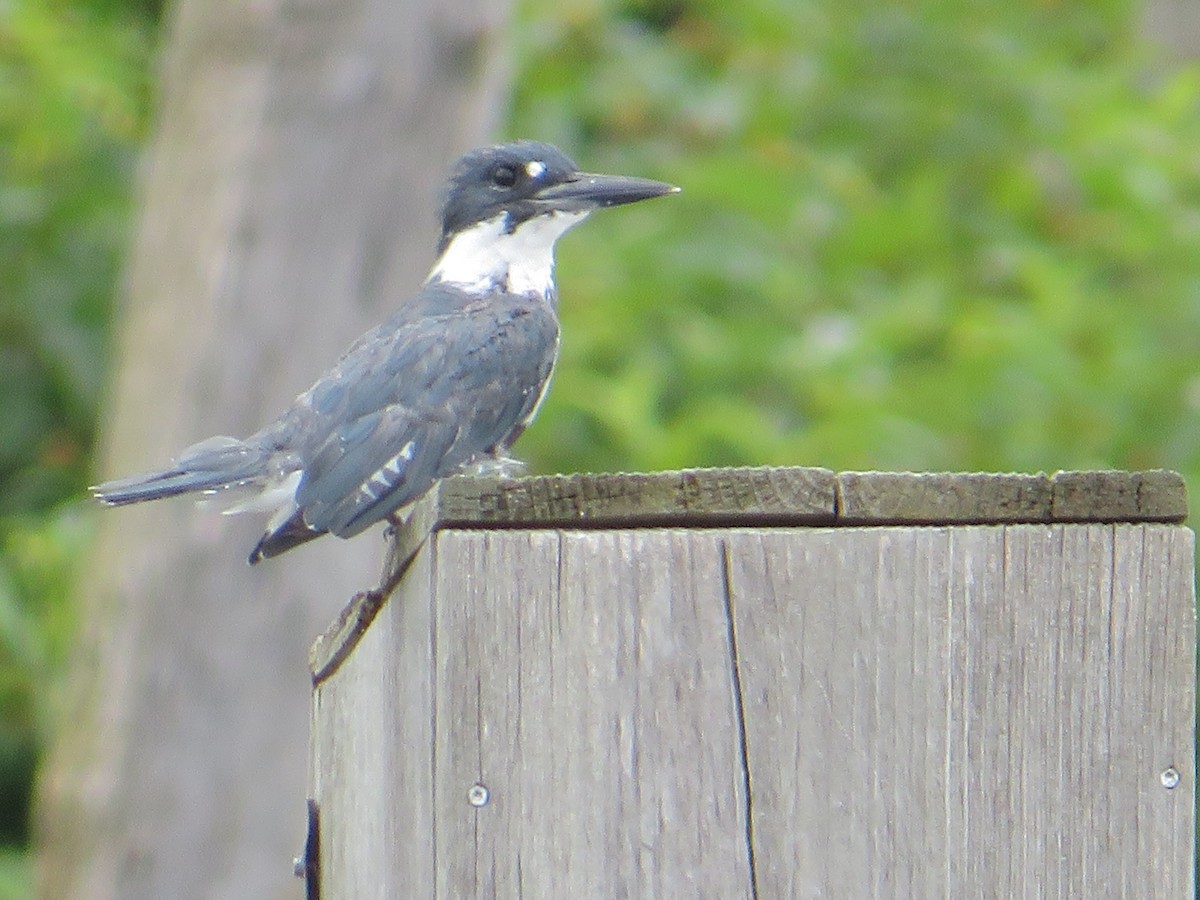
(444, 386)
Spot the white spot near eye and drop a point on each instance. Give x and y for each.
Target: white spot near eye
(535, 168)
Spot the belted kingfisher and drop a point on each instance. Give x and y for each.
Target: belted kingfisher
(446, 384)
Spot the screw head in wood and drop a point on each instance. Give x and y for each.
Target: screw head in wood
(1170, 777)
(477, 795)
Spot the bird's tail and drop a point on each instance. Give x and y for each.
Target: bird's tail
(211, 465)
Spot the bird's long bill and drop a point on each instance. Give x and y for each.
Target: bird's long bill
(585, 192)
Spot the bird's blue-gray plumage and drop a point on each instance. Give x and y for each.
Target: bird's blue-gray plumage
(402, 410)
(449, 381)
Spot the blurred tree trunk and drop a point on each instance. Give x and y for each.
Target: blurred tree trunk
(288, 204)
(1173, 24)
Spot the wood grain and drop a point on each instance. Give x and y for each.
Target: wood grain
(943, 497)
(979, 711)
(372, 764)
(701, 496)
(969, 711)
(762, 495)
(579, 693)
(1154, 496)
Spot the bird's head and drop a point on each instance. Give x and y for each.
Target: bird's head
(507, 204)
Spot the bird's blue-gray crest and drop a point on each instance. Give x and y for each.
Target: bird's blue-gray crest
(446, 384)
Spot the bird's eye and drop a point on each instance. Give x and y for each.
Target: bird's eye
(504, 176)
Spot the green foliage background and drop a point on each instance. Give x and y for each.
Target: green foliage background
(957, 235)
(953, 236)
(74, 96)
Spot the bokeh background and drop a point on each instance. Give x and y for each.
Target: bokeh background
(942, 235)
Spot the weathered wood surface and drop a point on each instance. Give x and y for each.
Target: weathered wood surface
(977, 712)
(373, 762)
(804, 496)
(779, 496)
(969, 711)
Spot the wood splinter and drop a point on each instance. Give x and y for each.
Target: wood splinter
(406, 538)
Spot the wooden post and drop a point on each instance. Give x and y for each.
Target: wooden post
(772, 683)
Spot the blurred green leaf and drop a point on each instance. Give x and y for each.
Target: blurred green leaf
(16, 875)
(73, 98)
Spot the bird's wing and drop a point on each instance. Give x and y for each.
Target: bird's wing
(414, 403)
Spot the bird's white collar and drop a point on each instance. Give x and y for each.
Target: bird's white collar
(486, 255)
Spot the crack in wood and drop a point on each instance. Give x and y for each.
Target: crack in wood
(740, 716)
